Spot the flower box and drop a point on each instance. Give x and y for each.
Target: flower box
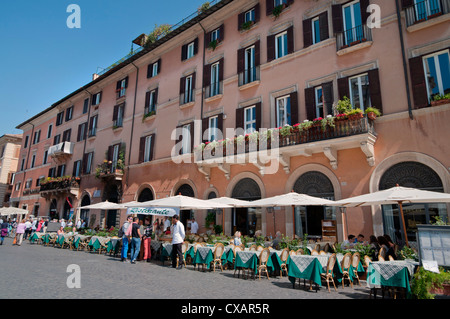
(440, 102)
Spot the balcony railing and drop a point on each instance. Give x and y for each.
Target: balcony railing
(288, 136)
(110, 169)
(354, 36)
(61, 149)
(214, 89)
(59, 184)
(426, 10)
(248, 76)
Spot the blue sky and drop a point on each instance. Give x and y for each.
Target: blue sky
(42, 60)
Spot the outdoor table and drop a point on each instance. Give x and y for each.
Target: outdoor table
(249, 259)
(79, 238)
(166, 250)
(36, 237)
(396, 273)
(306, 267)
(97, 242)
(204, 255)
(47, 237)
(113, 245)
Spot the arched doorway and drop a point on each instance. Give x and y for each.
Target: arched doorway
(247, 220)
(145, 195)
(414, 175)
(53, 212)
(308, 219)
(111, 194)
(68, 210)
(185, 215)
(84, 213)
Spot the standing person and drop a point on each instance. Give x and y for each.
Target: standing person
(3, 231)
(146, 240)
(20, 230)
(135, 240)
(40, 225)
(27, 229)
(125, 239)
(194, 226)
(79, 224)
(177, 241)
(166, 224)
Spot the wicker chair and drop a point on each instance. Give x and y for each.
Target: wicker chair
(322, 252)
(328, 276)
(184, 249)
(367, 261)
(252, 248)
(263, 258)
(235, 250)
(284, 257)
(356, 258)
(317, 247)
(345, 266)
(327, 248)
(218, 252)
(292, 252)
(314, 253)
(300, 251)
(391, 258)
(382, 253)
(259, 248)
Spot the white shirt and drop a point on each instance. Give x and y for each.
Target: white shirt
(178, 233)
(27, 224)
(166, 224)
(194, 227)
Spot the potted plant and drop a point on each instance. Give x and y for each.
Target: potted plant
(210, 219)
(277, 10)
(372, 113)
(213, 44)
(440, 99)
(344, 105)
(355, 114)
(247, 25)
(205, 6)
(426, 284)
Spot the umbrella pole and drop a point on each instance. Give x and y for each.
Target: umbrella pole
(223, 221)
(403, 222)
(293, 221)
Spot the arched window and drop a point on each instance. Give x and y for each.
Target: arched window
(247, 220)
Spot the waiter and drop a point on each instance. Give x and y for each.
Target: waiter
(177, 241)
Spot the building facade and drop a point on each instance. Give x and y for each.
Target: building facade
(9, 154)
(172, 118)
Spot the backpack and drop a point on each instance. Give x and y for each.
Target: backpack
(121, 233)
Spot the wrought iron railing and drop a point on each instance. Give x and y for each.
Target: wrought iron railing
(425, 10)
(353, 36)
(60, 183)
(214, 89)
(249, 75)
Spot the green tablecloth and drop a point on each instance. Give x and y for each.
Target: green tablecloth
(113, 245)
(390, 273)
(311, 272)
(35, 237)
(250, 259)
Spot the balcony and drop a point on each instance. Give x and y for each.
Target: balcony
(249, 78)
(426, 13)
(353, 39)
(61, 150)
(109, 170)
(59, 185)
(327, 136)
(214, 91)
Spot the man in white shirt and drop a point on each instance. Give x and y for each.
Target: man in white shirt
(194, 226)
(177, 241)
(166, 224)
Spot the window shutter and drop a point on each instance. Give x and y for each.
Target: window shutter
(221, 69)
(184, 52)
(126, 82)
(178, 136)
(419, 86)
(110, 152)
(79, 133)
(289, 2)
(118, 84)
(241, 19)
(193, 84)
(141, 149)
(206, 75)
(74, 169)
(269, 7)
(220, 124)
(240, 60)
(258, 113)
(205, 127)
(207, 39)
(195, 46)
(310, 103)
(155, 99)
(257, 53)
(363, 4)
(240, 118)
(294, 108)
(221, 33)
(152, 147)
(343, 88)
(149, 71)
(182, 85)
(290, 39)
(323, 22)
(307, 33)
(407, 3)
(270, 48)
(159, 66)
(147, 102)
(257, 13)
(191, 126)
(375, 89)
(338, 21)
(100, 97)
(115, 113)
(327, 91)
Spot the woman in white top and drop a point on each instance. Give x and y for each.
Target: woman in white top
(237, 238)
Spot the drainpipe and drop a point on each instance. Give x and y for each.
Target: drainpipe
(405, 68)
(22, 187)
(87, 127)
(203, 82)
(132, 125)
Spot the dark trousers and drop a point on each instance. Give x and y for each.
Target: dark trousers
(176, 250)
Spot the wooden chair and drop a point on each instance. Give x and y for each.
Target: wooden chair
(327, 248)
(345, 266)
(328, 276)
(259, 248)
(263, 258)
(252, 248)
(382, 254)
(292, 252)
(218, 252)
(391, 258)
(356, 258)
(322, 252)
(367, 261)
(284, 257)
(300, 251)
(317, 247)
(184, 248)
(235, 250)
(314, 253)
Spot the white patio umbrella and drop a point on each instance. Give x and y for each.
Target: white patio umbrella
(104, 205)
(6, 211)
(180, 201)
(229, 201)
(395, 195)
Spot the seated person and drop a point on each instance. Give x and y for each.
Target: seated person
(276, 242)
(60, 231)
(237, 238)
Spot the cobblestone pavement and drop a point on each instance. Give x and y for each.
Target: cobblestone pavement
(35, 271)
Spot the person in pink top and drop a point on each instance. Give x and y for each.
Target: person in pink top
(20, 230)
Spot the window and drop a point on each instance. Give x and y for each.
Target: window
(69, 113)
(319, 101)
(213, 127)
(59, 118)
(150, 102)
(76, 169)
(189, 50)
(154, 69)
(49, 131)
(25, 145)
(57, 139)
(52, 172)
(186, 142)
(45, 159)
(249, 119)
(249, 16)
(215, 85)
(250, 69)
(281, 47)
(215, 35)
(97, 98)
(426, 8)
(87, 162)
(33, 160)
(316, 30)
(38, 180)
(66, 135)
(93, 126)
(61, 170)
(121, 87)
(279, 2)
(437, 73)
(188, 90)
(283, 111)
(37, 136)
(359, 91)
(22, 164)
(18, 186)
(28, 183)
(146, 148)
(118, 115)
(353, 26)
(86, 106)
(115, 156)
(82, 129)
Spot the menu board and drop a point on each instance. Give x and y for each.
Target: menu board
(434, 243)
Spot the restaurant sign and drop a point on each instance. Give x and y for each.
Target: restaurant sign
(159, 211)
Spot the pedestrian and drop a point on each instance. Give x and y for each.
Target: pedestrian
(3, 231)
(83, 223)
(194, 226)
(34, 226)
(40, 225)
(135, 240)
(27, 229)
(20, 230)
(178, 235)
(166, 224)
(125, 238)
(146, 240)
(79, 224)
